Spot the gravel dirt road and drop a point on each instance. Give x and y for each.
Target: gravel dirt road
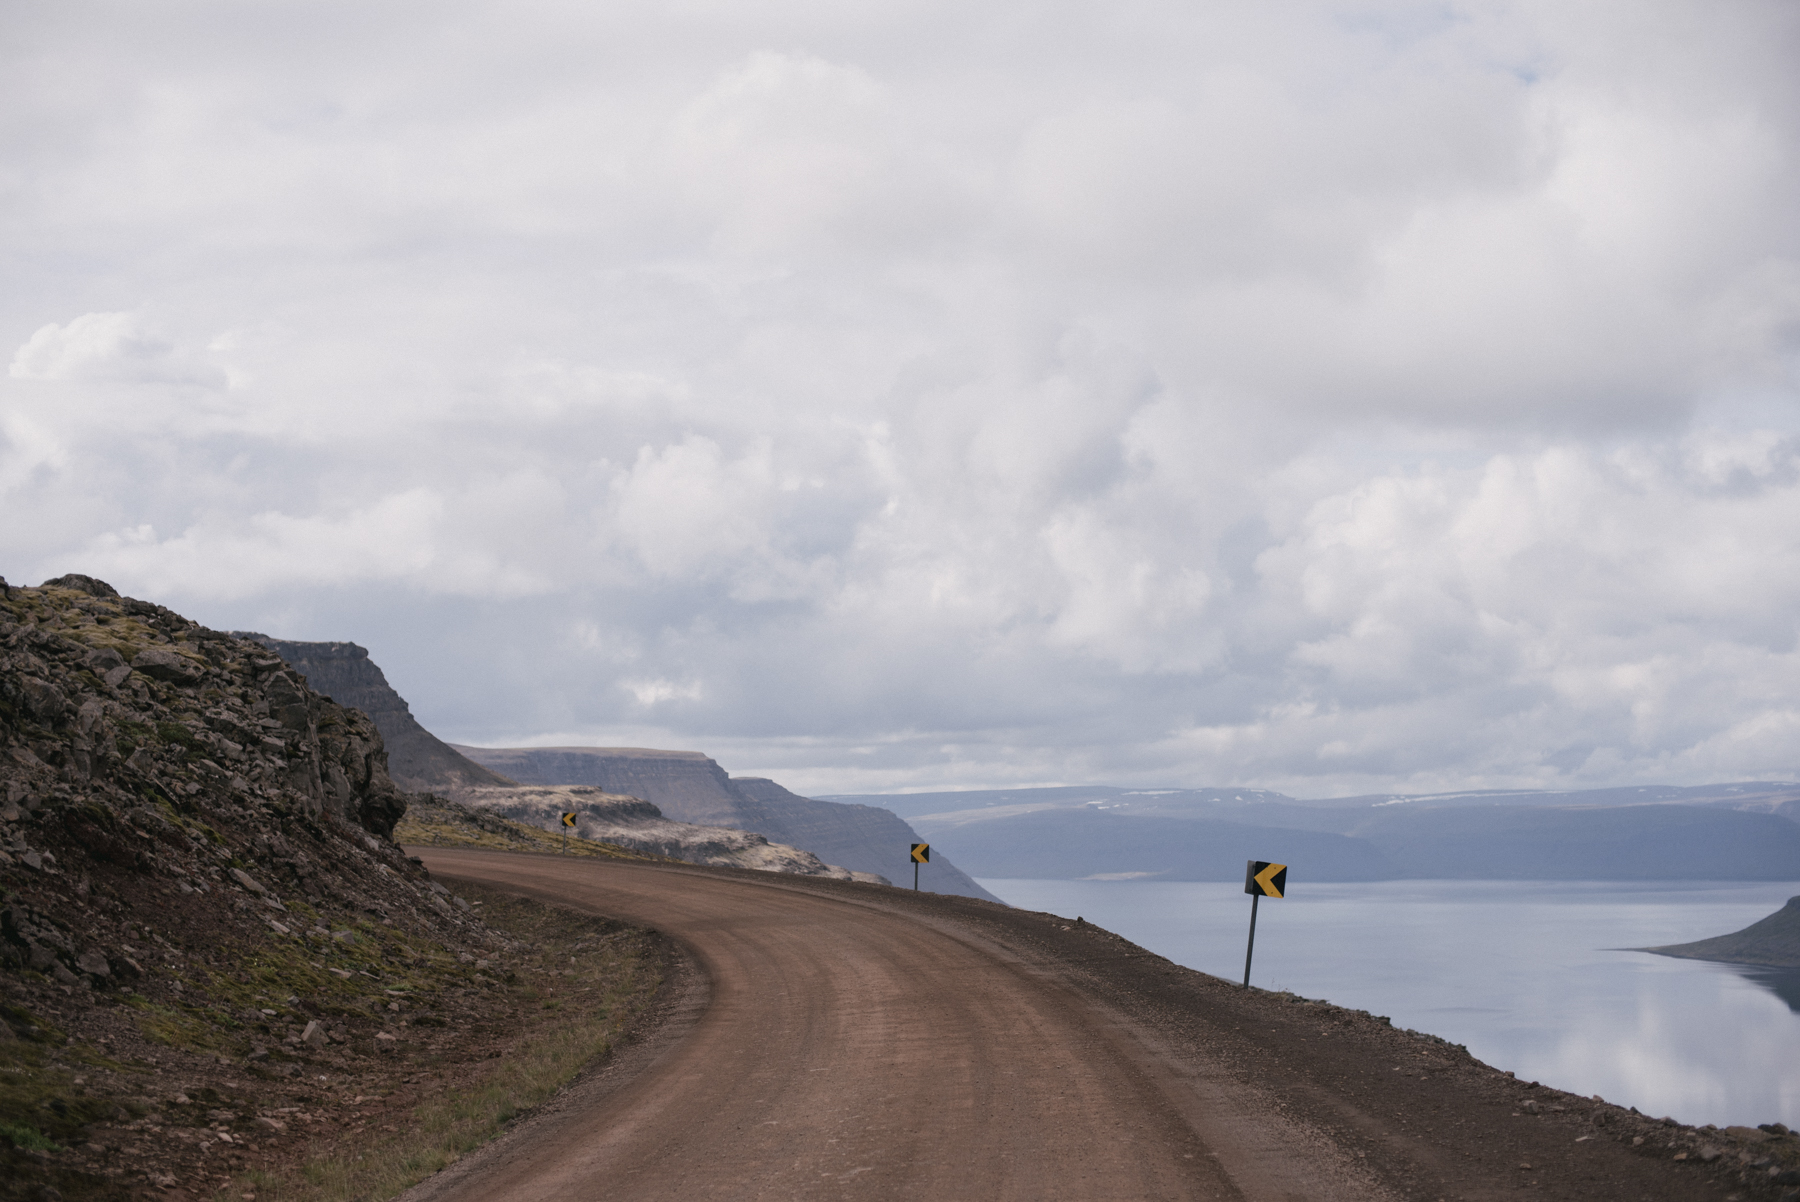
(836, 1040)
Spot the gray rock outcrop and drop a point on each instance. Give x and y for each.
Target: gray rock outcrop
(103, 692)
(190, 773)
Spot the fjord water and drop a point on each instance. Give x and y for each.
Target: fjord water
(1520, 972)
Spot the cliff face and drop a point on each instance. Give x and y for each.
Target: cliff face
(418, 761)
(690, 787)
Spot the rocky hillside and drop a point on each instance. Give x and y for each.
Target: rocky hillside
(636, 824)
(691, 787)
(1772, 942)
(418, 761)
(199, 897)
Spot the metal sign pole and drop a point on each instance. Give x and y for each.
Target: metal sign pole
(1250, 948)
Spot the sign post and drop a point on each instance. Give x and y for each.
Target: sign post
(1261, 879)
(568, 821)
(921, 854)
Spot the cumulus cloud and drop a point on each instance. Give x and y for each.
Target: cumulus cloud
(115, 347)
(410, 536)
(1330, 396)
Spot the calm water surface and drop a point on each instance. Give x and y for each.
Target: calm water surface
(1519, 972)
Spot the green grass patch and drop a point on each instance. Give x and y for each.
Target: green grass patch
(39, 1099)
(616, 974)
(27, 1138)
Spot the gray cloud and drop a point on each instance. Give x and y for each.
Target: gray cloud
(1319, 396)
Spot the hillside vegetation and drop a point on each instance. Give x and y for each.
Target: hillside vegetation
(216, 965)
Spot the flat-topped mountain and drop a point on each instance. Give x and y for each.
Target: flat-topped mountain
(1773, 942)
(418, 761)
(636, 824)
(685, 785)
(691, 787)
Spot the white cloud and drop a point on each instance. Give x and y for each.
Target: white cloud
(1303, 396)
(654, 692)
(109, 347)
(409, 536)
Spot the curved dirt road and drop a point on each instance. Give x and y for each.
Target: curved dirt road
(857, 1042)
(852, 1050)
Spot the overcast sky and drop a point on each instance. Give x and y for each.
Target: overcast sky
(1328, 397)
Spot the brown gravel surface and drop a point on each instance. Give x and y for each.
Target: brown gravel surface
(854, 1041)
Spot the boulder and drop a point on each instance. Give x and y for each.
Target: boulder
(83, 584)
(247, 881)
(160, 663)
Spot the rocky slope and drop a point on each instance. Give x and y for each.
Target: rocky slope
(418, 761)
(636, 824)
(691, 787)
(200, 902)
(1772, 942)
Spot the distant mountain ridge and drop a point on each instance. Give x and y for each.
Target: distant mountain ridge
(1741, 831)
(1762, 796)
(691, 787)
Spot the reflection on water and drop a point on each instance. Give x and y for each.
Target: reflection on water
(1784, 983)
(1519, 972)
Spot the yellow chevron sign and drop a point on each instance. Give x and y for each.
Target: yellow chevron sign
(1263, 879)
(921, 854)
(568, 820)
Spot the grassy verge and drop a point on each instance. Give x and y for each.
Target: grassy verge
(585, 983)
